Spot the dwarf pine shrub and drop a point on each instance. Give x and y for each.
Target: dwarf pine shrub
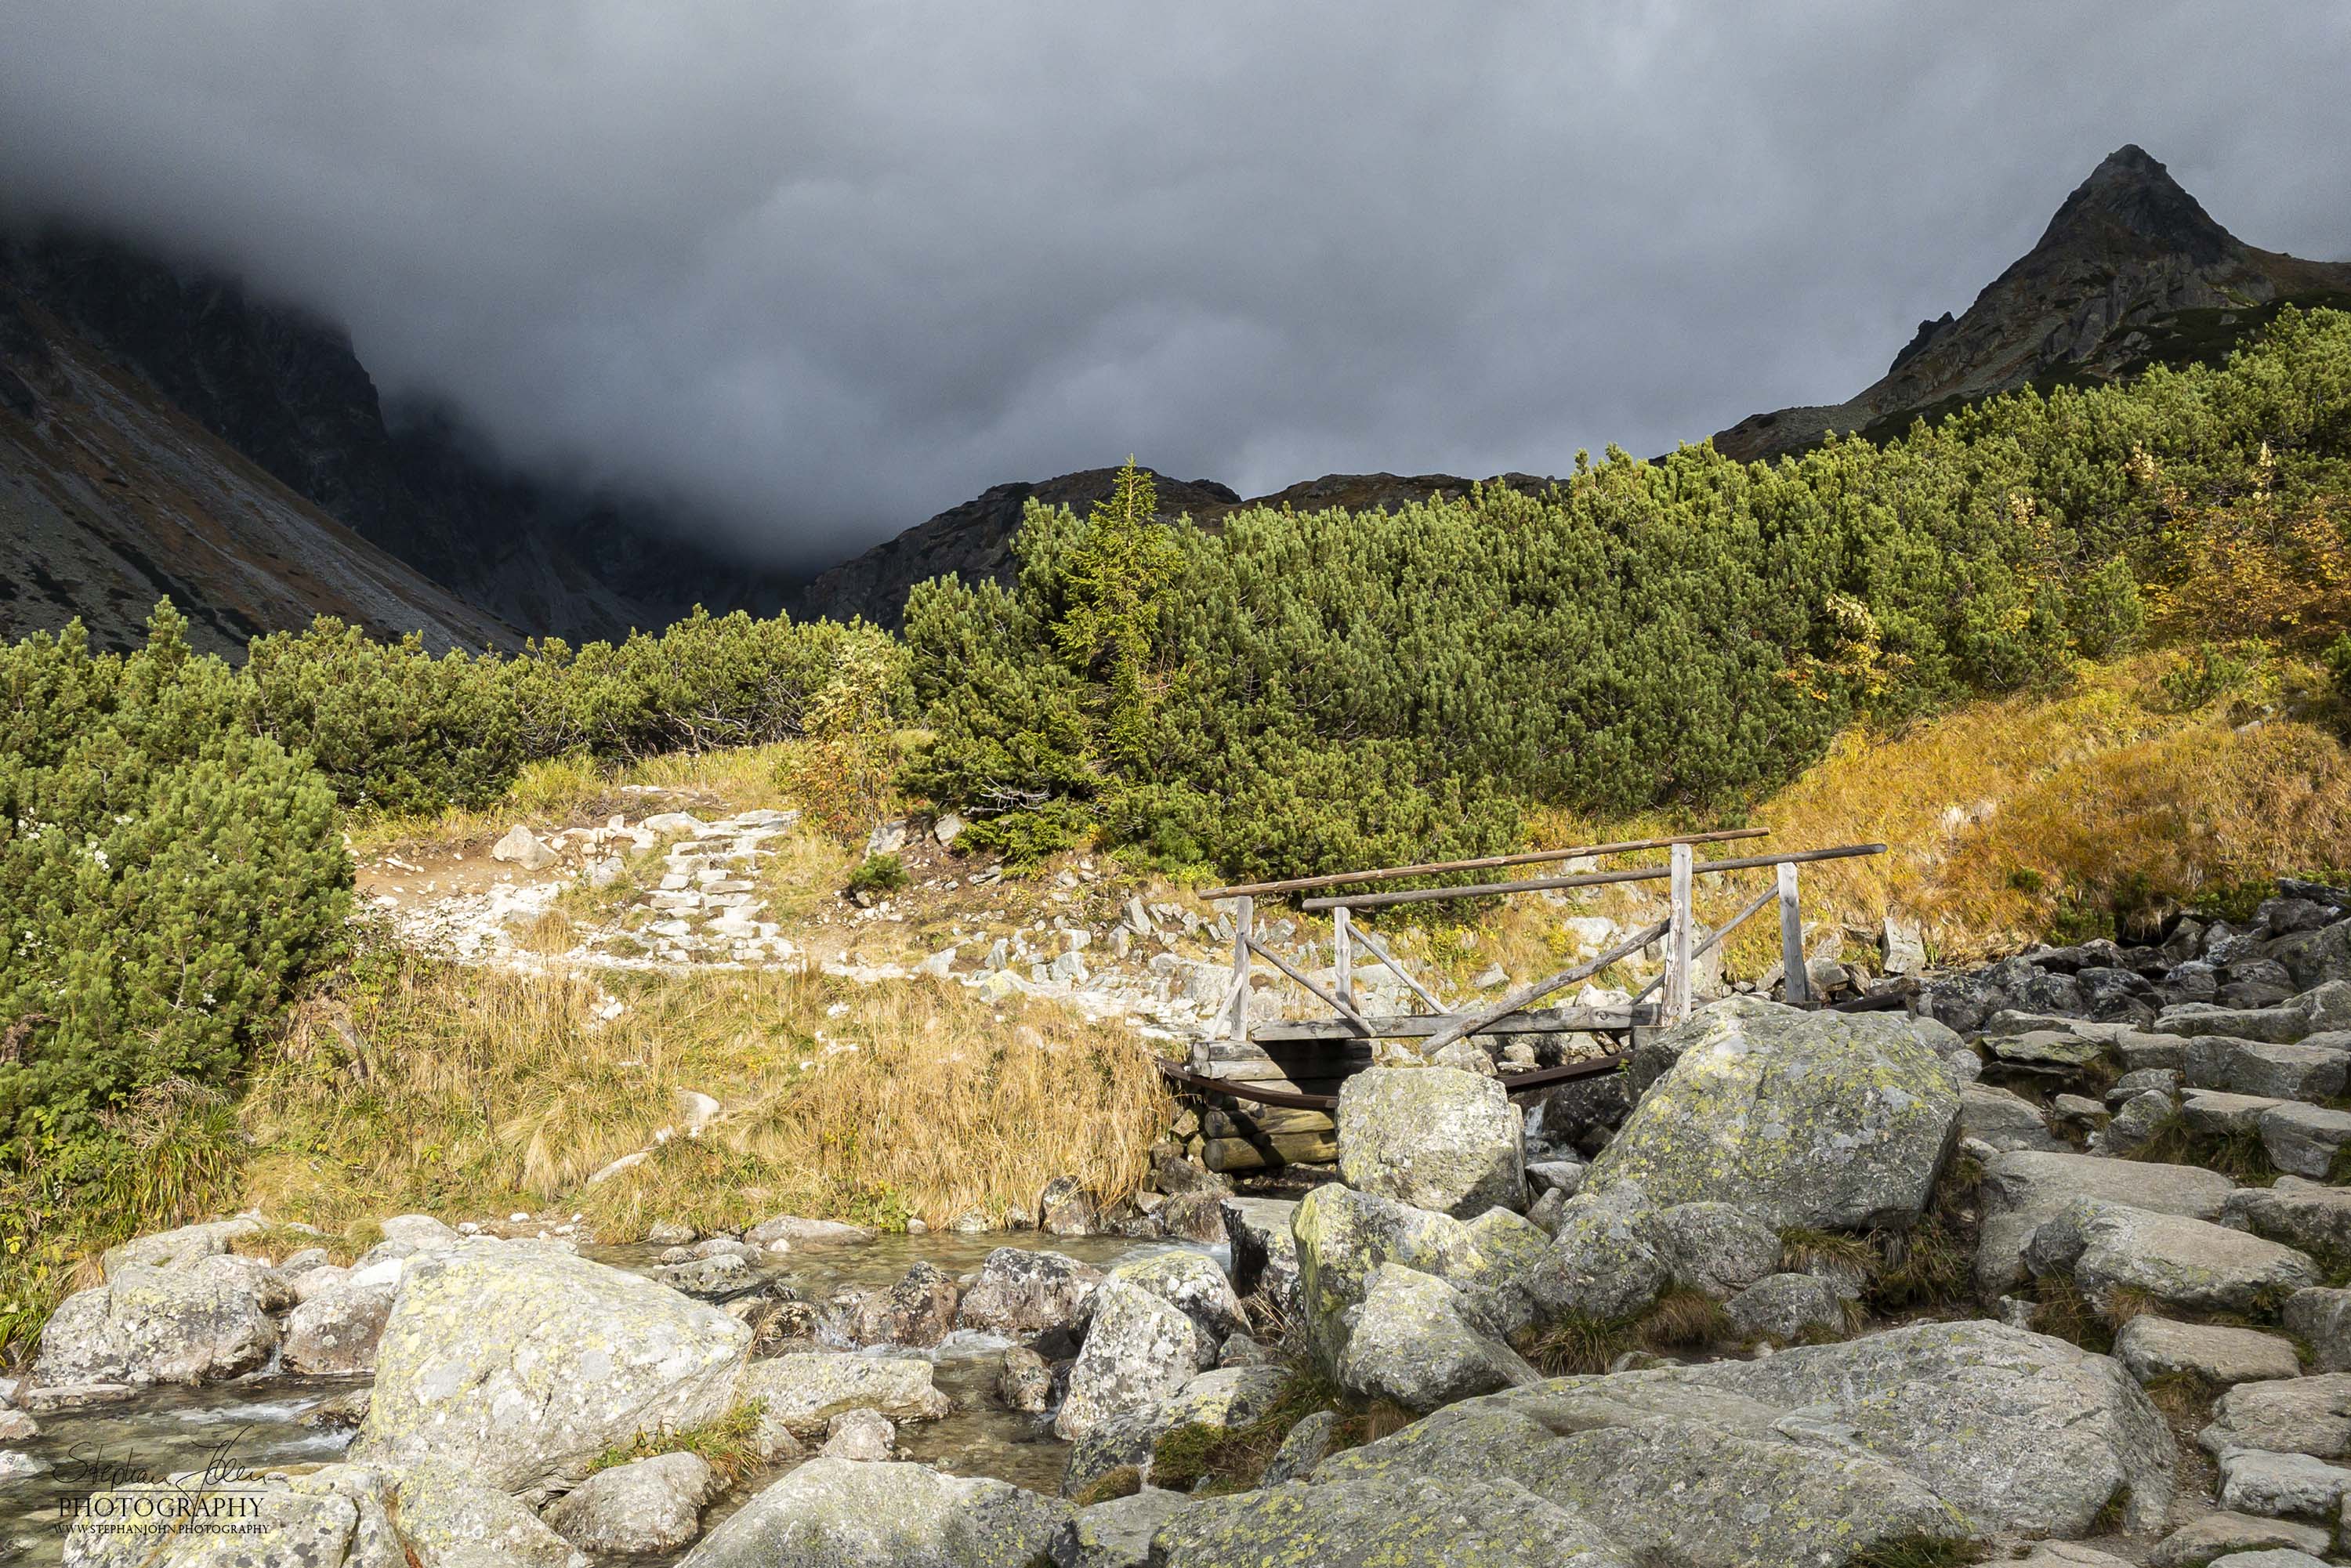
(1292, 693)
(167, 877)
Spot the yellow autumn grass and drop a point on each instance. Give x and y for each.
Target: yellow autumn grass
(1999, 813)
(573, 790)
(2000, 817)
(475, 1091)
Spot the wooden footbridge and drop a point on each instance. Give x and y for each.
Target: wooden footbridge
(1299, 1064)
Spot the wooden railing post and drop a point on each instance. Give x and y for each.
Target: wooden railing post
(1680, 939)
(1795, 974)
(1244, 910)
(1342, 954)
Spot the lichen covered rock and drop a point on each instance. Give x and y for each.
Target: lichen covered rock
(1138, 1350)
(1416, 1342)
(1388, 1521)
(802, 1392)
(841, 1513)
(520, 1363)
(640, 1508)
(1827, 1121)
(1021, 1292)
(1434, 1138)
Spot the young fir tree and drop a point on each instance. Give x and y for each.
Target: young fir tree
(1119, 575)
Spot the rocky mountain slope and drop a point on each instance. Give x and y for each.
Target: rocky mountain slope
(973, 540)
(2131, 272)
(285, 390)
(112, 497)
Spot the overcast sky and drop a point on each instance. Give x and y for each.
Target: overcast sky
(829, 268)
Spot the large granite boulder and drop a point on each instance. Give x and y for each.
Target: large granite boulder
(1388, 1521)
(918, 1310)
(1433, 1137)
(1117, 1533)
(2150, 1347)
(334, 1333)
(521, 1364)
(1218, 1401)
(2312, 959)
(801, 1392)
(2322, 1010)
(1138, 1350)
(2285, 1416)
(199, 1319)
(2193, 1265)
(2306, 1140)
(1193, 1284)
(1604, 1263)
(1654, 1470)
(1343, 1236)
(2023, 1189)
(1718, 1248)
(1826, 1121)
(1022, 1293)
(176, 1249)
(850, 1513)
(2309, 1069)
(1416, 1343)
(644, 1507)
(2021, 1431)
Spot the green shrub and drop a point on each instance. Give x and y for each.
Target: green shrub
(1295, 693)
(878, 873)
(167, 877)
(393, 728)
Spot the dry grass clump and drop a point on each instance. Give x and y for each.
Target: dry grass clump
(455, 1089)
(729, 1444)
(576, 790)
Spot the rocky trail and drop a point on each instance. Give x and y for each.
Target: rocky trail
(2053, 1268)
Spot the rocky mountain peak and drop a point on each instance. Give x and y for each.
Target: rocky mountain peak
(2130, 208)
(2131, 271)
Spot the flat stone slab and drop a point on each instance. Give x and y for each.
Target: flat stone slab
(2299, 1212)
(2044, 1048)
(2282, 1071)
(2004, 1119)
(2194, 1265)
(2281, 1486)
(2303, 1139)
(2216, 1113)
(2023, 1189)
(2151, 1347)
(2292, 1415)
(2216, 1535)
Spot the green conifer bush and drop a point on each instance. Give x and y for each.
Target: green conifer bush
(167, 876)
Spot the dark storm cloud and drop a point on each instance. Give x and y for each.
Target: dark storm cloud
(828, 269)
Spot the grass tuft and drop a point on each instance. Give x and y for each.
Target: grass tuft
(1920, 1552)
(1110, 1486)
(725, 1445)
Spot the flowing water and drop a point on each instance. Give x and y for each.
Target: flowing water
(268, 1420)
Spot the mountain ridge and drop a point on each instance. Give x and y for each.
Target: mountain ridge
(112, 497)
(283, 387)
(2130, 271)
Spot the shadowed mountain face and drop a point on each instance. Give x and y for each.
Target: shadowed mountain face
(112, 497)
(285, 390)
(2131, 272)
